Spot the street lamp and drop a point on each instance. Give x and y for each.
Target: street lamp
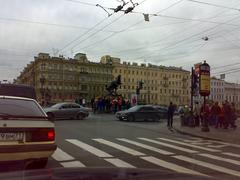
(42, 81)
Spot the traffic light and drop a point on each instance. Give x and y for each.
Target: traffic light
(137, 91)
(140, 84)
(195, 81)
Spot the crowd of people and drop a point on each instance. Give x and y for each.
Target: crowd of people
(110, 104)
(217, 115)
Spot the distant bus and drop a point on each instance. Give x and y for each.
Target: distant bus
(18, 90)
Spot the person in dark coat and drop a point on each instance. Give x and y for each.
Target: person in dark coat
(171, 110)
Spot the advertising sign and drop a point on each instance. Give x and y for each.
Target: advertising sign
(205, 80)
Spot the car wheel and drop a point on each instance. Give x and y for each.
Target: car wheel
(38, 164)
(51, 116)
(131, 118)
(80, 116)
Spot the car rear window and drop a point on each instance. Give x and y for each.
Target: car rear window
(17, 107)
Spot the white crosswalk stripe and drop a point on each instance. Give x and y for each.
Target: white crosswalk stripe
(120, 147)
(97, 152)
(171, 166)
(208, 165)
(72, 164)
(143, 152)
(60, 155)
(160, 151)
(190, 145)
(231, 154)
(169, 145)
(89, 148)
(119, 163)
(221, 158)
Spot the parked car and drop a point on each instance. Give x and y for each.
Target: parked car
(17, 90)
(66, 111)
(139, 112)
(26, 134)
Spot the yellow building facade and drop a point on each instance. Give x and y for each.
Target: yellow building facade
(162, 85)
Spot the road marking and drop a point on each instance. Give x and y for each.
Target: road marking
(170, 166)
(191, 141)
(120, 147)
(160, 151)
(60, 155)
(231, 154)
(224, 143)
(217, 146)
(208, 165)
(72, 164)
(221, 158)
(119, 163)
(202, 143)
(190, 145)
(169, 145)
(89, 148)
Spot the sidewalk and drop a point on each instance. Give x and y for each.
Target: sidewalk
(227, 135)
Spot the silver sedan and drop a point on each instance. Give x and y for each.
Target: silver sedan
(67, 111)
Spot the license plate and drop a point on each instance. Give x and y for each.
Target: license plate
(11, 136)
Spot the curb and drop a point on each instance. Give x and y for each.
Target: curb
(199, 136)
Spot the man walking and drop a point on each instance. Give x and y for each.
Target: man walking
(171, 110)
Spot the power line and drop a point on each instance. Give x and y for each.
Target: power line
(81, 2)
(86, 32)
(46, 23)
(132, 25)
(215, 5)
(106, 27)
(189, 37)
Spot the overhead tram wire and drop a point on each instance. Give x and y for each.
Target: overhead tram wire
(136, 22)
(222, 12)
(96, 31)
(46, 23)
(189, 37)
(214, 5)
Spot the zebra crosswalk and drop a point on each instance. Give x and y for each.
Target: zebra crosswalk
(192, 156)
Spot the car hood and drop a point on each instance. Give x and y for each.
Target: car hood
(99, 173)
(123, 112)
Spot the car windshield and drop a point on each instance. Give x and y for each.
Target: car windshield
(124, 84)
(56, 106)
(135, 108)
(23, 108)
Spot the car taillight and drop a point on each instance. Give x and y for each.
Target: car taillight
(51, 135)
(46, 134)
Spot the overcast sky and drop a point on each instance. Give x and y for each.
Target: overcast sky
(67, 27)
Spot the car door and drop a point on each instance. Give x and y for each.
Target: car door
(75, 108)
(149, 113)
(64, 111)
(140, 114)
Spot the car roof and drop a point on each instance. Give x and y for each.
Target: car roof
(16, 97)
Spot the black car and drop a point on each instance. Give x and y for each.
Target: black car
(139, 113)
(163, 111)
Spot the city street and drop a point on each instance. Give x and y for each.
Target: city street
(102, 141)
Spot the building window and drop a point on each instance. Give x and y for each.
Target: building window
(133, 88)
(120, 71)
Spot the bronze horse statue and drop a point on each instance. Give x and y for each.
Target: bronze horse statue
(112, 88)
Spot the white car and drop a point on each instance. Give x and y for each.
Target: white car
(26, 134)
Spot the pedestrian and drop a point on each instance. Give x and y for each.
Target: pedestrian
(171, 110)
(221, 118)
(215, 112)
(227, 114)
(119, 104)
(233, 117)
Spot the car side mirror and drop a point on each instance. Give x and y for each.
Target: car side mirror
(60, 107)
